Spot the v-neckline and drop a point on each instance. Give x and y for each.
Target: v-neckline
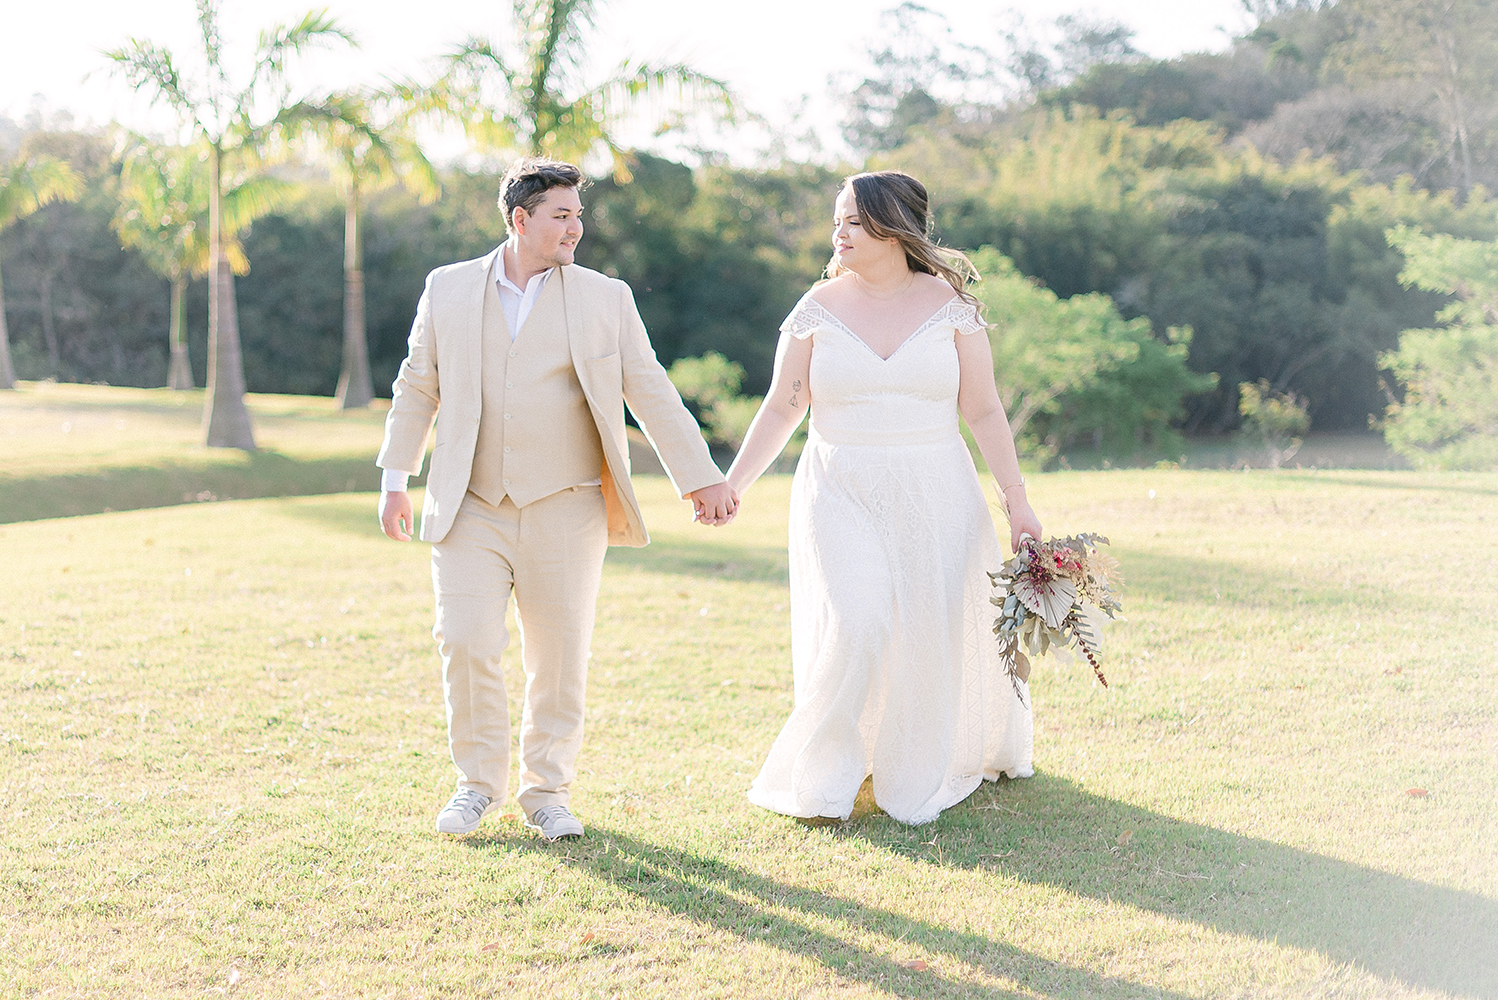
(901, 346)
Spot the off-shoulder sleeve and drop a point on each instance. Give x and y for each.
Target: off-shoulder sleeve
(803, 319)
(966, 319)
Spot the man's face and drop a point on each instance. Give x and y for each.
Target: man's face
(551, 232)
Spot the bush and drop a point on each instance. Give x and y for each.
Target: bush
(1075, 372)
(1448, 418)
(1274, 421)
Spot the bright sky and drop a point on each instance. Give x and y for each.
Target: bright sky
(774, 53)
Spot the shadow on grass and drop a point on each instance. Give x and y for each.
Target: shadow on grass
(1050, 831)
(791, 918)
(254, 475)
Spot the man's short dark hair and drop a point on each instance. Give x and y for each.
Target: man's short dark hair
(528, 180)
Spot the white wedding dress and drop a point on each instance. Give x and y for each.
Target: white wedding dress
(896, 669)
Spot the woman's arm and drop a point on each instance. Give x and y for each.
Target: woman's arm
(978, 402)
(779, 415)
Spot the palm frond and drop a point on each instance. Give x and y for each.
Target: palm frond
(253, 199)
(675, 86)
(163, 205)
(146, 66)
(283, 41)
(28, 185)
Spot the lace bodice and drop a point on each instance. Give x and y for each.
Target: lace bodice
(857, 397)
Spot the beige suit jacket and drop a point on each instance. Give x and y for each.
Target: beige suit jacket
(440, 382)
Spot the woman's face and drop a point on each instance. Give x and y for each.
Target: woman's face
(852, 245)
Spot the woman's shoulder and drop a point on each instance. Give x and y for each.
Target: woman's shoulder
(810, 311)
(950, 307)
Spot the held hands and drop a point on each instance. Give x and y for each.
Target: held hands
(395, 515)
(715, 505)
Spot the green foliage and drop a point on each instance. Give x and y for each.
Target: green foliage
(1281, 272)
(708, 380)
(1274, 421)
(1448, 418)
(710, 384)
(27, 184)
(1447, 51)
(716, 258)
(1135, 409)
(1074, 371)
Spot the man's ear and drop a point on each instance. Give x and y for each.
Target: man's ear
(518, 218)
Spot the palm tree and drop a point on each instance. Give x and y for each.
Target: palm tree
(163, 195)
(367, 158)
(540, 101)
(223, 118)
(26, 184)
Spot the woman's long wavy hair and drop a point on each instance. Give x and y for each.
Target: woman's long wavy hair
(894, 205)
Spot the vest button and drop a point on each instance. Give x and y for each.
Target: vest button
(507, 448)
(507, 416)
(512, 354)
(509, 385)
(507, 482)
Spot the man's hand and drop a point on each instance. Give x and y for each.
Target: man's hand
(715, 505)
(395, 515)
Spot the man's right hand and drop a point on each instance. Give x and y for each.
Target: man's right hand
(395, 515)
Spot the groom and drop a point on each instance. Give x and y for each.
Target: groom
(526, 360)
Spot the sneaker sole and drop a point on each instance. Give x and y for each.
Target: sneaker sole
(561, 836)
(460, 831)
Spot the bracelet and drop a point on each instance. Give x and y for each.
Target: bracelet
(1012, 485)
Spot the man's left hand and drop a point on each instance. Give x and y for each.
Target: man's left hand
(715, 505)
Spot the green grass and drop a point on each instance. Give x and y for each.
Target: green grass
(223, 747)
(83, 449)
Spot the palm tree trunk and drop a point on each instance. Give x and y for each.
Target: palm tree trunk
(179, 372)
(49, 325)
(354, 388)
(226, 420)
(7, 372)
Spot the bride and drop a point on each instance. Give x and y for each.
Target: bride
(896, 668)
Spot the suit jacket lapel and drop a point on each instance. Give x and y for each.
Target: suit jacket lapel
(473, 326)
(572, 316)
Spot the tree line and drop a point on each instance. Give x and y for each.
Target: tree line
(1154, 233)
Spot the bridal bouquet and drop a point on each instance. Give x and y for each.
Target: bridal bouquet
(1046, 596)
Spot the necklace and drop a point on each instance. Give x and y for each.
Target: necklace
(863, 286)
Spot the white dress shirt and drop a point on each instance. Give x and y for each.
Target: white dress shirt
(517, 303)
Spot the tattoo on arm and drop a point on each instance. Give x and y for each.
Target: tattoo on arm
(795, 392)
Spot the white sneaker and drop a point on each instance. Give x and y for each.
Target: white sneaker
(555, 823)
(462, 812)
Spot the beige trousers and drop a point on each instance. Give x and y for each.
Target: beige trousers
(550, 554)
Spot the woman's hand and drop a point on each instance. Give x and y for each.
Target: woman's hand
(1022, 520)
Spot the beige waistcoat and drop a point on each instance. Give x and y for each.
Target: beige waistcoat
(536, 435)
(440, 392)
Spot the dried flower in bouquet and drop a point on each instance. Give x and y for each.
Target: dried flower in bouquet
(1045, 595)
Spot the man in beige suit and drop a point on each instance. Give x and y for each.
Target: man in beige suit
(525, 360)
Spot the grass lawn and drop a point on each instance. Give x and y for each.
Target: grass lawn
(85, 449)
(223, 747)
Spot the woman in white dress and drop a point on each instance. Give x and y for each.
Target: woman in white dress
(896, 668)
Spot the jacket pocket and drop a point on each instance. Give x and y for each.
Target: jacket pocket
(605, 379)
